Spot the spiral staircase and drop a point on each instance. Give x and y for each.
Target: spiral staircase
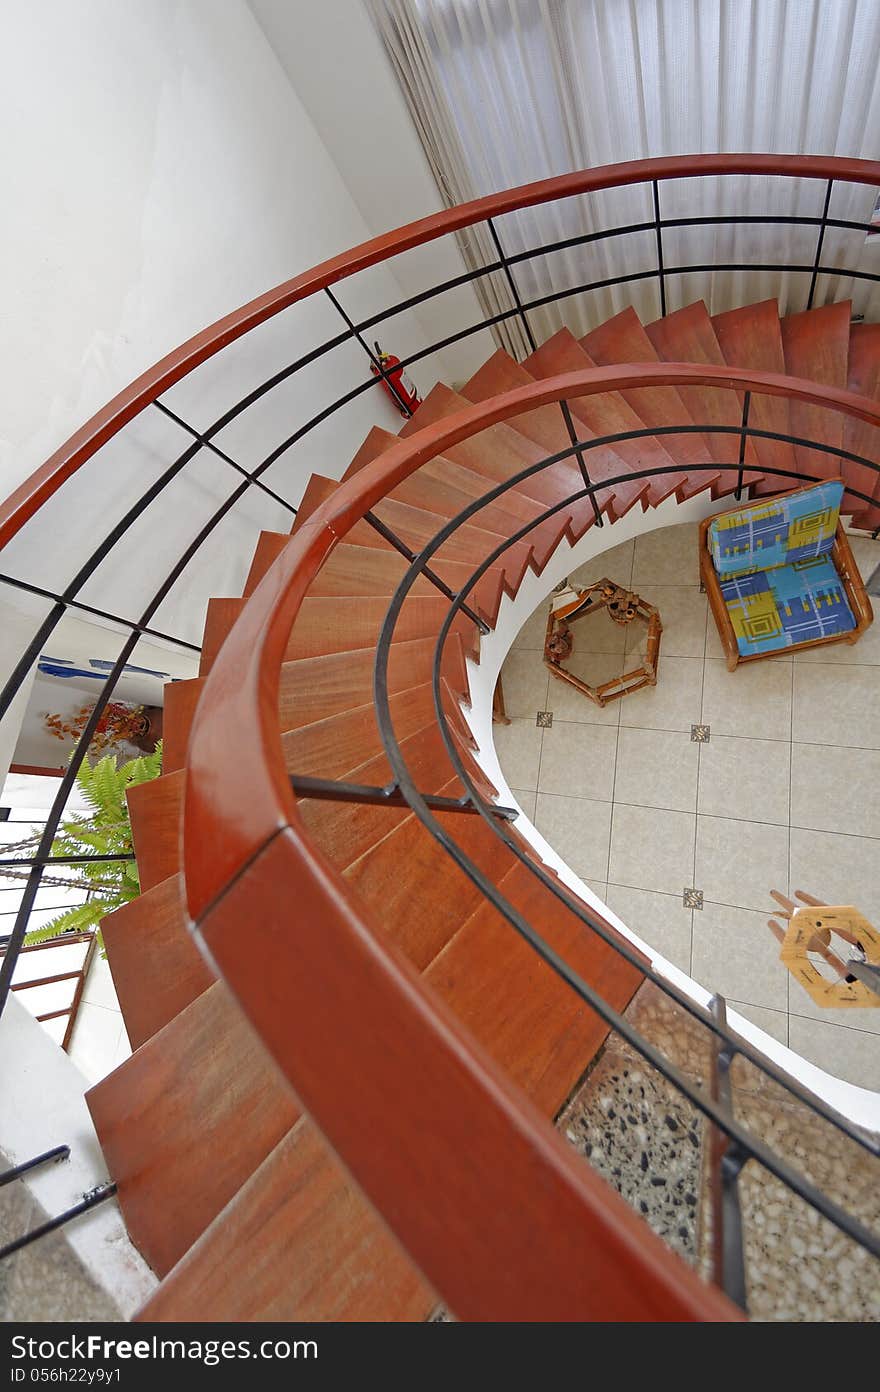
(356, 997)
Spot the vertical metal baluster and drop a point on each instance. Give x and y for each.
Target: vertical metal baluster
(820, 240)
(527, 329)
(658, 233)
(727, 1161)
(380, 370)
(743, 436)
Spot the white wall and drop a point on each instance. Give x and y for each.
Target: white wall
(331, 48)
(160, 170)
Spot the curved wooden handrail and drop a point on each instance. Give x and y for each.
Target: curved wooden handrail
(555, 1242)
(26, 500)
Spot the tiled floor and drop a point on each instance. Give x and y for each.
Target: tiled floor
(782, 791)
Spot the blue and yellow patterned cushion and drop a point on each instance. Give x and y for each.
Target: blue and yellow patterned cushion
(798, 527)
(786, 605)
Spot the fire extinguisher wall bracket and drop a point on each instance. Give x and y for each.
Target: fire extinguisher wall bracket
(395, 382)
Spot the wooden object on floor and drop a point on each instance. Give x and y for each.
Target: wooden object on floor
(809, 926)
(499, 713)
(623, 607)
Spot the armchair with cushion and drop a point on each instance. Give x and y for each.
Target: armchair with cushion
(780, 575)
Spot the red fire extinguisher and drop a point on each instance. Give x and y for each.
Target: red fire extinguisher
(396, 383)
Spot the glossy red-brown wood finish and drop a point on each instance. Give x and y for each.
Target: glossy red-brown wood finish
(310, 956)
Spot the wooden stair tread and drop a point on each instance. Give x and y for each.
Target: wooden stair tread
(154, 813)
(608, 414)
(529, 1019)
(863, 377)
(622, 339)
(156, 967)
(816, 346)
(687, 336)
(165, 1118)
(751, 337)
(266, 553)
(298, 1242)
(221, 615)
(180, 700)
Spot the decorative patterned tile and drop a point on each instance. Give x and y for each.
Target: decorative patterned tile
(700, 734)
(692, 898)
(544, 720)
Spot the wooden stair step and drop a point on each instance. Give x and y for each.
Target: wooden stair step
(545, 425)
(266, 553)
(180, 699)
(298, 1242)
(816, 346)
(500, 451)
(313, 688)
(531, 1021)
(622, 339)
(336, 746)
(186, 1120)
(154, 812)
(326, 624)
(156, 967)
(751, 338)
(609, 414)
(864, 378)
(346, 831)
(687, 336)
(221, 615)
(414, 889)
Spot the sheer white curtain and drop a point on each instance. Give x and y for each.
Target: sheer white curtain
(508, 91)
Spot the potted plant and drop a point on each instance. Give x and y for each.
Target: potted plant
(105, 831)
(119, 724)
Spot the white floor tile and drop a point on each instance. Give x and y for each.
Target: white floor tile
(754, 701)
(674, 703)
(772, 1022)
(656, 768)
(614, 564)
(660, 920)
(683, 615)
(526, 801)
(579, 830)
(735, 954)
(837, 869)
(745, 778)
(524, 681)
(578, 761)
(518, 746)
(836, 789)
(846, 1053)
(738, 863)
(651, 849)
(830, 707)
(667, 556)
(533, 632)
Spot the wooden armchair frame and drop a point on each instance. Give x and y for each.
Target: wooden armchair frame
(844, 564)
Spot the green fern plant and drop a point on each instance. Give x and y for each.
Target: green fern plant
(105, 831)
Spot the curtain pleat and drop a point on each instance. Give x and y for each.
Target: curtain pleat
(504, 92)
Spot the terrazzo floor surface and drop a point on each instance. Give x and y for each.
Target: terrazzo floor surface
(784, 794)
